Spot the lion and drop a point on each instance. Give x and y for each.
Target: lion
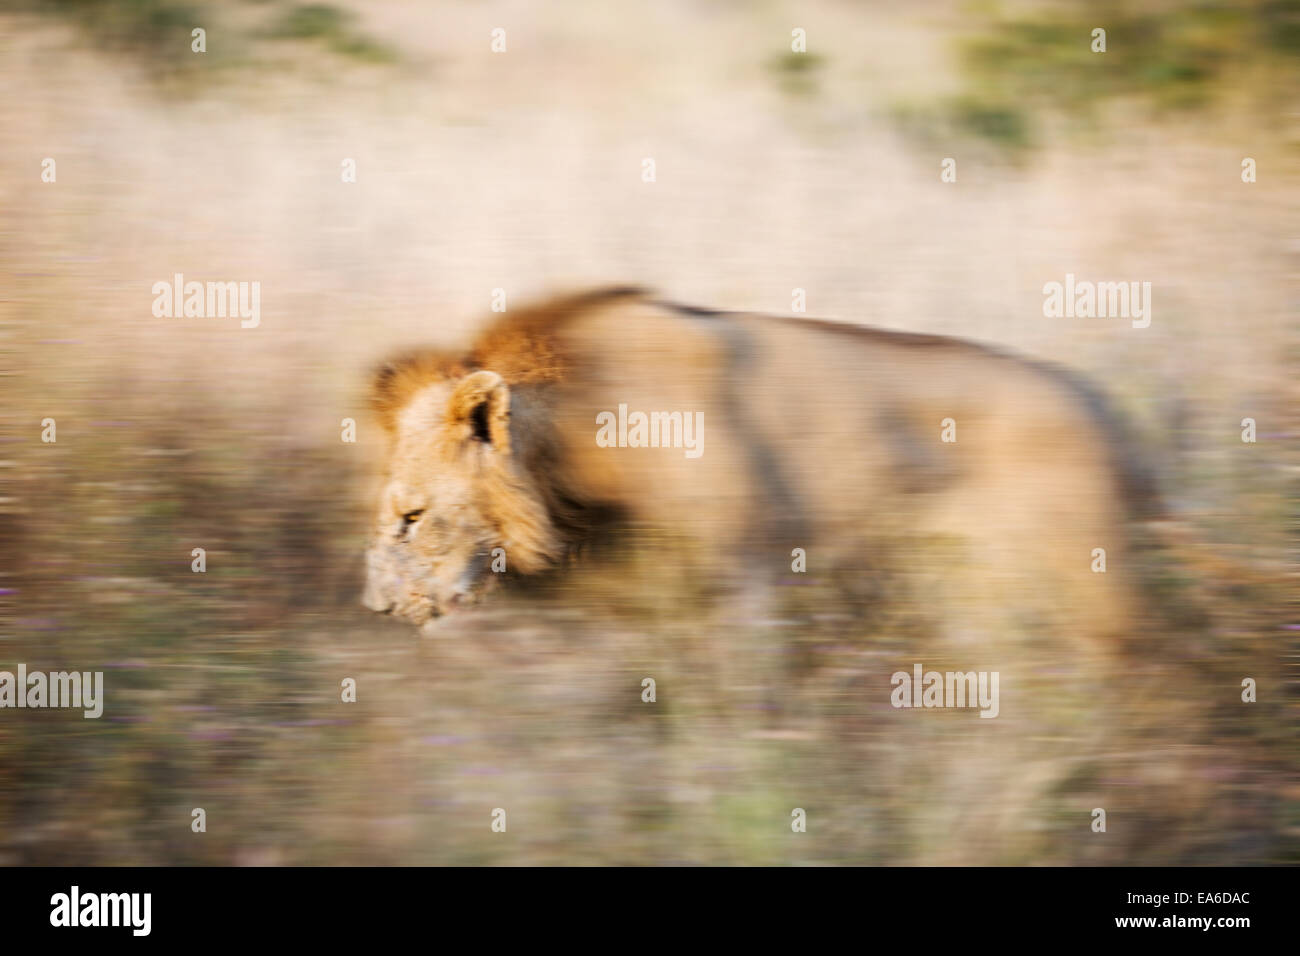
(759, 437)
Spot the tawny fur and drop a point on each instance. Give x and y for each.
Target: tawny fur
(822, 435)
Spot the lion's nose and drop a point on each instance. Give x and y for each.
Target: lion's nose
(373, 597)
(375, 601)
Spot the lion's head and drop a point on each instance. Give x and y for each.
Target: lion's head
(454, 491)
(476, 463)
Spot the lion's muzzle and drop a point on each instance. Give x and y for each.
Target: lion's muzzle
(377, 596)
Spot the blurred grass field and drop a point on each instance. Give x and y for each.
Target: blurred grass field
(522, 170)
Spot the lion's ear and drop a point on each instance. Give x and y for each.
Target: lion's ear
(481, 401)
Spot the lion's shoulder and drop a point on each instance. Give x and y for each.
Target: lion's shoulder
(525, 345)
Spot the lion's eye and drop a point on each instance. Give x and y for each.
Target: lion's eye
(411, 517)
